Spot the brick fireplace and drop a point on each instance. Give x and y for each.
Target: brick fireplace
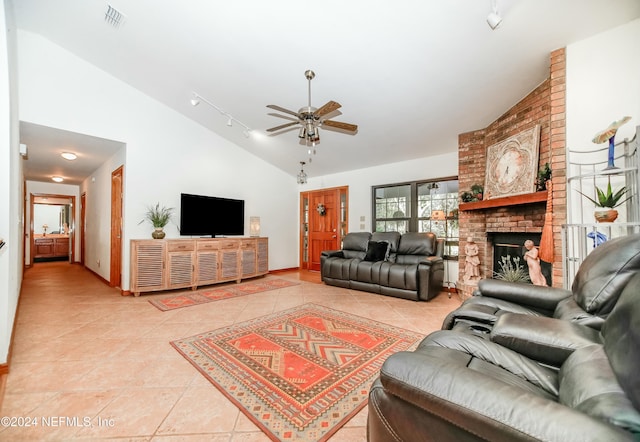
(544, 106)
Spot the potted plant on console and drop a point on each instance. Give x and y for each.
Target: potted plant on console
(608, 201)
(158, 217)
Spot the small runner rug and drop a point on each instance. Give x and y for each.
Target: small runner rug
(187, 299)
(299, 374)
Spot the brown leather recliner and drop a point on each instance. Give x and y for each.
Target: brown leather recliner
(594, 292)
(460, 387)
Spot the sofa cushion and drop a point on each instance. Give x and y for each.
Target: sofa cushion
(377, 251)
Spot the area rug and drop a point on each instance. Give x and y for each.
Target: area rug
(299, 374)
(187, 299)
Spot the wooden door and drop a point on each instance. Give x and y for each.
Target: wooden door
(115, 279)
(82, 223)
(324, 222)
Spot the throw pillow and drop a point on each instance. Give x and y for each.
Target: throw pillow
(377, 251)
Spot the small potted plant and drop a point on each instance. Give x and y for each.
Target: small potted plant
(158, 217)
(477, 190)
(608, 200)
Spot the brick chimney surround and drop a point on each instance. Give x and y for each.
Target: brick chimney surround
(544, 106)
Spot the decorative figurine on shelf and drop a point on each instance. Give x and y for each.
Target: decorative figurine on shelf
(472, 261)
(65, 228)
(533, 262)
(610, 134)
(44, 229)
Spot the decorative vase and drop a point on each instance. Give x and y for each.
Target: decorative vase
(158, 233)
(606, 216)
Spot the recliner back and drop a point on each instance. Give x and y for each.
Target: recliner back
(621, 333)
(415, 246)
(605, 272)
(354, 245)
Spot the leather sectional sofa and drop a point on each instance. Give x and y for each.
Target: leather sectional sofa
(406, 266)
(530, 376)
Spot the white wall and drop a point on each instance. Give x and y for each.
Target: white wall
(603, 85)
(11, 205)
(97, 253)
(166, 153)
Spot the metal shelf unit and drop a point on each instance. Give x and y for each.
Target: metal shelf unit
(586, 169)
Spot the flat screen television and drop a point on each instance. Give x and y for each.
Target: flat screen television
(210, 216)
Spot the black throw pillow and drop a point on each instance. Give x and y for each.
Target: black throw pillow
(377, 251)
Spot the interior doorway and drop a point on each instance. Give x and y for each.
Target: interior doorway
(323, 223)
(51, 228)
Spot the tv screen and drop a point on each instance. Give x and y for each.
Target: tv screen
(208, 215)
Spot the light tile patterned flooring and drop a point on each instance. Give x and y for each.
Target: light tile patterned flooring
(81, 351)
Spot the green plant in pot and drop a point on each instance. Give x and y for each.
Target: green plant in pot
(607, 200)
(158, 217)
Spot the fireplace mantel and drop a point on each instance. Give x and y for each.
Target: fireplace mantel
(516, 200)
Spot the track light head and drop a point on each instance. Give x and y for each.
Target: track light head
(494, 20)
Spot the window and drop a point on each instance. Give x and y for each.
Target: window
(420, 206)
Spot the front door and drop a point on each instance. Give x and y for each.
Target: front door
(326, 223)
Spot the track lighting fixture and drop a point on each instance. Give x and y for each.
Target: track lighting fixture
(494, 19)
(196, 99)
(302, 176)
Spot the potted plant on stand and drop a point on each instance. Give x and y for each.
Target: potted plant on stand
(158, 217)
(608, 201)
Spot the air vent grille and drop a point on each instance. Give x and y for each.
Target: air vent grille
(113, 17)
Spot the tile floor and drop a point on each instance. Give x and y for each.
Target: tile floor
(82, 351)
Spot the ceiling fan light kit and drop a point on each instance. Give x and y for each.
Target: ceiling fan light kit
(310, 118)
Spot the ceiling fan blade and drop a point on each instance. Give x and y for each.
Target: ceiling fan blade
(340, 125)
(282, 109)
(282, 126)
(327, 108)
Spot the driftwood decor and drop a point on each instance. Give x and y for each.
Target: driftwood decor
(512, 165)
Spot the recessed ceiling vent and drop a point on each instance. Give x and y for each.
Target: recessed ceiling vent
(113, 17)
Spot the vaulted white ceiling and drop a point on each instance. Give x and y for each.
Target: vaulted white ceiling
(412, 74)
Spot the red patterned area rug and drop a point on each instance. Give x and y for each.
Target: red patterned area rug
(299, 374)
(187, 299)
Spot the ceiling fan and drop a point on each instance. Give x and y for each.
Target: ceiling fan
(311, 119)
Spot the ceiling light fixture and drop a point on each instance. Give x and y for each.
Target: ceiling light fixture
(69, 156)
(57, 179)
(494, 19)
(196, 99)
(302, 176)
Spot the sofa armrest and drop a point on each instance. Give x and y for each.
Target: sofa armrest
(431, 260)
(534, 296)
(332, 254)
(547, 340)
(483, 406)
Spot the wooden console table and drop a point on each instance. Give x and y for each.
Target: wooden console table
(51, 246)
(158, 264)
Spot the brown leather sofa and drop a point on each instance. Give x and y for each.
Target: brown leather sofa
(536, 378)
(406, 266)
